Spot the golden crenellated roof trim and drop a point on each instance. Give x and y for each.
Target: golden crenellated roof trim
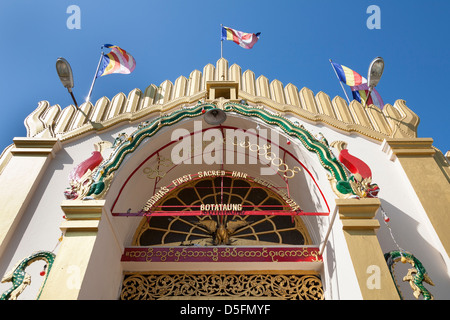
(394, 121)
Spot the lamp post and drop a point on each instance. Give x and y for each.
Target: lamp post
(374, 74)
(65, 75)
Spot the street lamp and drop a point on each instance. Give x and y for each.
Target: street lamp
(65, 75)
(374, 74)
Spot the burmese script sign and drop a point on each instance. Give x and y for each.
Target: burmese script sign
(222, 254)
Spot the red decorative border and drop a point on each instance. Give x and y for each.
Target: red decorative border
(219, 213)
(220, 127)
(221, 254)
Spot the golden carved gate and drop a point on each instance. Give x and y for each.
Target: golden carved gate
(156, 236)
(154, 286)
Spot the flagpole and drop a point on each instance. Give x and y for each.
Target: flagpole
(340, 82)
(221, 41)
(95, 77)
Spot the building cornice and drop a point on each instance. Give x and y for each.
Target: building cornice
(394, 121)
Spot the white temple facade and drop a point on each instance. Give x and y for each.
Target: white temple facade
(223, 185)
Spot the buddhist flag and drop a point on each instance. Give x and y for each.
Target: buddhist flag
(347, 75)
(117, 61)
(360, 94)
(358, 85)
(245, 40)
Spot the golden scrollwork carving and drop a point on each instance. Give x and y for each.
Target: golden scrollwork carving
(271, 157)
(153, 173)
(139, 286)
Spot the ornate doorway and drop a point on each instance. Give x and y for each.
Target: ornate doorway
(215, 235)
(154, 286)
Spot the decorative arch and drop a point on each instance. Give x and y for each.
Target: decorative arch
(103, 175)
(162, 166)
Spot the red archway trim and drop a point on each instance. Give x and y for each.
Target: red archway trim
(256, 212)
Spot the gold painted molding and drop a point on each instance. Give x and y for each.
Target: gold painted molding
(83, 210)
(358, 208)
(35, 146)
(85, 226)
(411, 147)
(82, 216)
(243, 285)
(396, 120)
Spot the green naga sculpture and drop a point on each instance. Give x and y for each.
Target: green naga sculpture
(416, 275)
(20, 279)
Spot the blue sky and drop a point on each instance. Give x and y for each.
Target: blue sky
(171, 38)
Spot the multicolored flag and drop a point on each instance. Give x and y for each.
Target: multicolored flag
(358, 85)
(360, 94)
(245, 40)
(117, 61)
(347, 75)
